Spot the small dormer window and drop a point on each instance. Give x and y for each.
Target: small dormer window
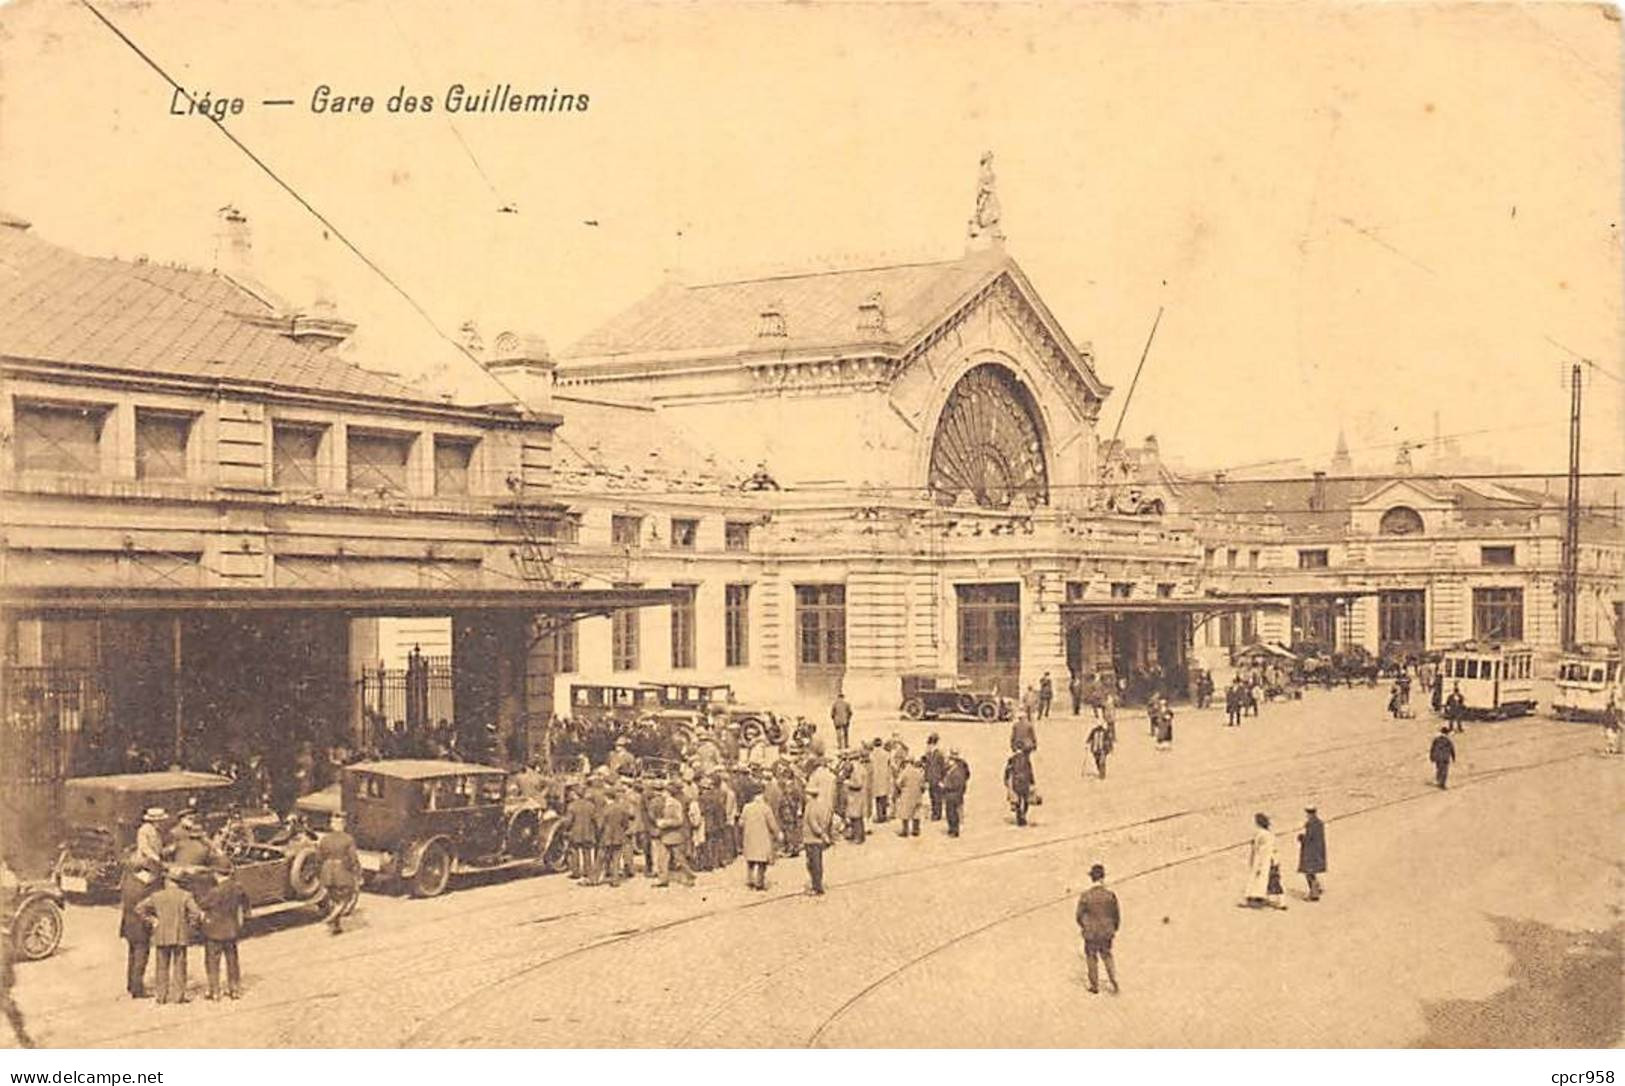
(872, 314)
(1401, 520)
(772, 324)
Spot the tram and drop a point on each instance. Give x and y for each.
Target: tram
(1495, 680)
(1586, 681)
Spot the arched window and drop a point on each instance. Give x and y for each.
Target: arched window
(1401, 520)
(988, 444)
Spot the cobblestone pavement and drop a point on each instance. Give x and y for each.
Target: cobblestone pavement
(970, 941)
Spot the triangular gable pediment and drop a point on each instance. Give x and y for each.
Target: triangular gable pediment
(1403, 492)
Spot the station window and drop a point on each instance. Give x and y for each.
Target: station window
(1230, 557)
(296, 457)
(736, 625)
(685, 531)
(736, 535)
(1313, 559)
(378, 461)
(1252, 559)
(625, 530)
(1498, 614)
(1497, 556)
(1165, 591)
(161, 441)
(1122, 590)
(452, 458)
(623, 637)
(60, 439)
(682, 626)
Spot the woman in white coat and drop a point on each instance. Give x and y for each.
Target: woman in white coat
(1261, 860)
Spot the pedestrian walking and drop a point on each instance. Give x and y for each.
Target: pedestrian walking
(1455, 709)
(1263, 868)
(762, 834)
(671, 824)
(173, 914)
(1611, 727)
(1018, 782)
(818, 823)
(1023, 735)
(340, 872)
(1312, 851)
(1232, 704)
(955, 779)
(840, 714)
(1074, 687)
(1100, 747)
(1165, 726)
(1099, 916)
(881, 782)
(1046, 696)
(1108, 714)
(910, 789)
(934, 766)
(1442, 753)
(1029, 701)
(225, 910)
(138, 884)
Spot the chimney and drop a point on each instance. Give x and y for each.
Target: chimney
(1218, 481)
(524, 365)
(233, 248)
(772, 324)
(1151, 454)
(1317, 493)
(1402, 461)
(872, 314)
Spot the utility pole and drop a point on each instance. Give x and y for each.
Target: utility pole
(1569, 586)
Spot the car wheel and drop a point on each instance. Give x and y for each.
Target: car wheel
(774, 732)
(434, 871)
(988, 711)
(914, 709)
(304, 875)
(524, 835)
(750, 730)
(556, 853)
(37, 930)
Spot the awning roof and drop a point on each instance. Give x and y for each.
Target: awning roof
(1158, 605)
(1287, 590)
(359, 602)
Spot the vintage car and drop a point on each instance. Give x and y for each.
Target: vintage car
(620, 702)
(926, 697)
(418, 822)
(34, 917)
(103, 813)
(713, 700)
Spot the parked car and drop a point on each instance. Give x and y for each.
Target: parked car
(713, 700)
(34, 916)
(103, 813)
(419, 822)
(619, 702)
(926, 697)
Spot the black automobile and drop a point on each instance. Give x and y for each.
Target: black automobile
(927, 697)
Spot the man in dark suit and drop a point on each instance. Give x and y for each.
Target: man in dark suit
(935, 766)
(225, 910)
(1442, 753)
(1098, 920)
(840, 714)
(137, 885)
(173, 913)
(954, 781)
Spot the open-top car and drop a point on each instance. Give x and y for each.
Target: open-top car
(419, 822)
(927, 697)
(34, 916)
(103, 814)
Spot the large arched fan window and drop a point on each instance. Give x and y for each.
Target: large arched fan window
(988, 445)
(1401, 520)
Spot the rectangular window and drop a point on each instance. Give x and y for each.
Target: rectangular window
(736, 625)
(1252, 559)
(1249, 627)
(682, 627)
(736, 535)
(1227, 631)
(60, 439)
(161, 441)
(452, 457)
(625, 530)
(378, 461)
(1075, 591)
(989, 628)
(1316, 559)
(1497, 556)
(295, 457)
(684, 532)
(1402, 621)
(1122, 590)
(1498, 614)
(623, 637)
(1230, 557)
(1165, 591)
(562, 648)
(821, 624)
(1314, 621)
(1207, 555)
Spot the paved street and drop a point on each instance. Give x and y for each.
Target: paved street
(1486, 915)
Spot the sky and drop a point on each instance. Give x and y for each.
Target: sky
(1353, 217)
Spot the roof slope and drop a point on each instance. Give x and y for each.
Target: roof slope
(627, 444)
(820, 311)
(60, 306)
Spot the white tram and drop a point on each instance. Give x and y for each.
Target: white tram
(1495, 680)
(1585, 682)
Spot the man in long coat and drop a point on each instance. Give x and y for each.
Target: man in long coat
(880, 780)
(173, 913)
(818, 823)
(1023, 735)
(934, 766)
(672, 826)
(762, 833)
(340, 871)
(855, 798)
(910, 788)
(1018, 778)
(1442, 753)
(1098, 919)
(137, 885)
(1100, 745)
(1312, 851)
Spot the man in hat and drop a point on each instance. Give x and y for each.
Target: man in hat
(1100, 745)
(1018, 780)
(1455, 709)
(881, 781)
(955, 779)
(818, 823)
(340, 871)
(1442, 753)
(138, 883)
(856, 792)
(620, 762)
(761, 832)
(173, 913)
(1312, 851)
(580, 818)
(149, 838)
(192, 855)
(614, 822)
(934, 765)
(672, 825)
(910, 785)
(1046, 696)
(225, 911)
(840, 714)
(1098, 919)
